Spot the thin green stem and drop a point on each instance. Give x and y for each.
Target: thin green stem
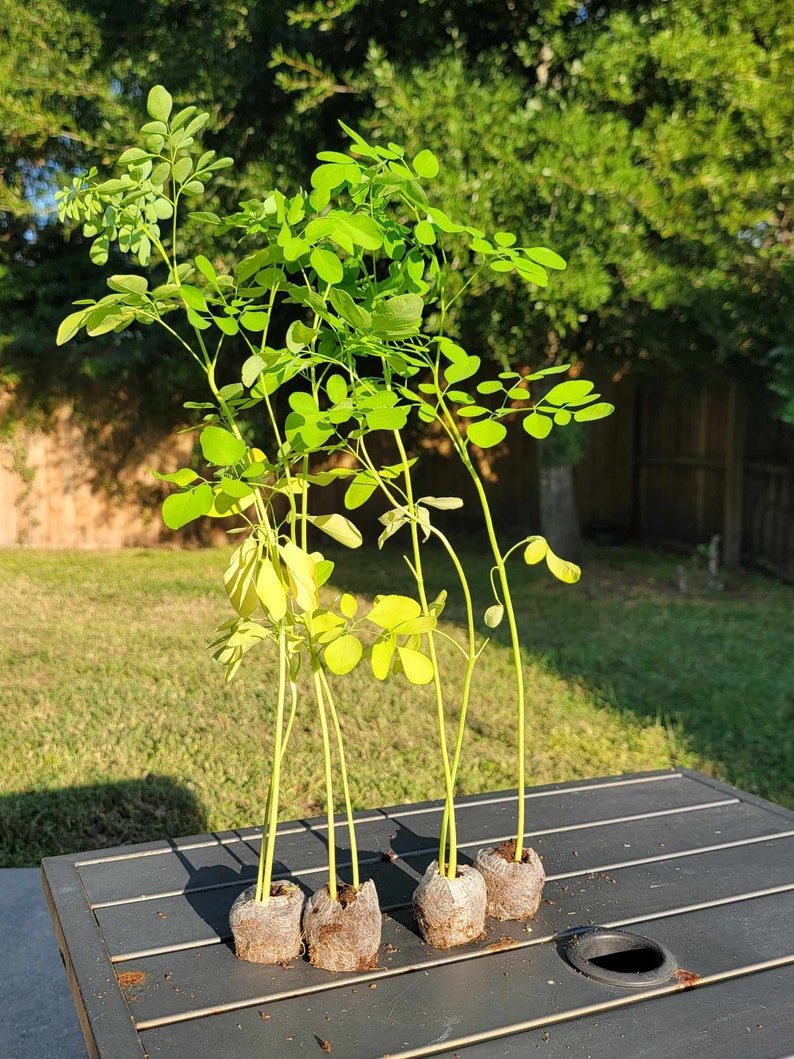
(450, 427)
(329, 785)
(270, 827)
(471, 661)
(514, 646)
(343, 769)
(446, 865)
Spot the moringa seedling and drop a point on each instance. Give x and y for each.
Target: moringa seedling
(321, 332)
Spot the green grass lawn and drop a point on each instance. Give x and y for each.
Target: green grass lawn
(116, 726)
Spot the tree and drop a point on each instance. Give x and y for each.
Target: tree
(649, 143)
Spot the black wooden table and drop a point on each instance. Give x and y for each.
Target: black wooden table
(701, 868)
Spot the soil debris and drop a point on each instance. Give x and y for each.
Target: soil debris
(501, 943)
(128, 979)
(264, 1016)
(325, 1045)
(686, 978)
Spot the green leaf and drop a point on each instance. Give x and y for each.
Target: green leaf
(571, 390)
(220, 447)
(104, 319)
(502, 264)
(336, 388)
(159, 104)
(133, 155)
(398, 317)
(504, 239)
(556, 369)
(471, 410)
(252, 369)
(443, 503)
(183, 167)
(562, 418)
(128, 284)
(181, 508)
(253, 320)
(99, 250)
(535, 550)
(239, 579)
(194, 298)
(594, 411)
(490, 386)
(360, 490)
(161, 173)
(224, 505)
(416, 666)
(338, 527)
(493, 615)
(461, 369)
(302, 576)
(235, 488)
(303, 403)
(270, 590)
(350, 311)
(299, 336)
(70, 326)
(390, 611)
(327, 265)
(486, 433)
(205, 217)
(426, 165)
(381, 657)
(425, 233)
(348, 605)
(537, 426)
(562, 569)
(442, 221)
(227, 324)
(323, 568)
(184, 476)
(343, 655)
(205, 267)
(387, 418)
(545, 257)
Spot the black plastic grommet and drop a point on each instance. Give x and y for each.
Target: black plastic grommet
(617, 957)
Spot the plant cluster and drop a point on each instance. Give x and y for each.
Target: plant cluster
(362, 266)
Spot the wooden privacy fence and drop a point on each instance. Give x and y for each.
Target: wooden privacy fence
(667, 468)
(715, 462)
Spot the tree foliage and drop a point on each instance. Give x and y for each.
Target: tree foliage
(649, 141)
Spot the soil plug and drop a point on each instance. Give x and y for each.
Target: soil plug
(514, 887)
(343, 934)
(450, 911)
(268, 931)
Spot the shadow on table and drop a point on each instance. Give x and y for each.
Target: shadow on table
(46, 823)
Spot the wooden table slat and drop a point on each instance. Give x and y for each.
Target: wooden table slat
(741, 1018)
